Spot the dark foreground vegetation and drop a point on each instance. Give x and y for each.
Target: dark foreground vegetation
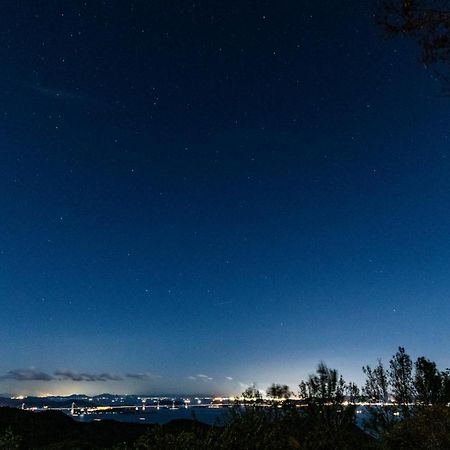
(403, 406)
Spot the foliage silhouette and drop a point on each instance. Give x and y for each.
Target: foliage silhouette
(401, 380)
(425, 21)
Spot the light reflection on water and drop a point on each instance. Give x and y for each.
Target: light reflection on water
(163, 415)
(210, 416)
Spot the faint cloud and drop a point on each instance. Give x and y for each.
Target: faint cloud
(143, 376)
(85, 376)
(62, 94)
(26, 375)
(202, 377)
(229, 378)
(227, 302)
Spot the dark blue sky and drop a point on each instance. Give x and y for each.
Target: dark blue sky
(224, 189)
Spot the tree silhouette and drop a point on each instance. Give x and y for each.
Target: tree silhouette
(428, 23)
(353, 393)
(376, 392)
(401, 380)
(323, 394)
(279, 391)
(252, 394)
(325, 386)
(445, 387)
(428, 382)
(376, 389)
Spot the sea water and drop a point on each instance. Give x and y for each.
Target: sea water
(209, 416)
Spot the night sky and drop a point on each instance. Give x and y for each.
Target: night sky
(196, 195)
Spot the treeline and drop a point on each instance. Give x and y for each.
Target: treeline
(403, 386)
(405, 406)
(403, 383)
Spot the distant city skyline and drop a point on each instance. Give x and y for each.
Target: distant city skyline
(197, 196)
